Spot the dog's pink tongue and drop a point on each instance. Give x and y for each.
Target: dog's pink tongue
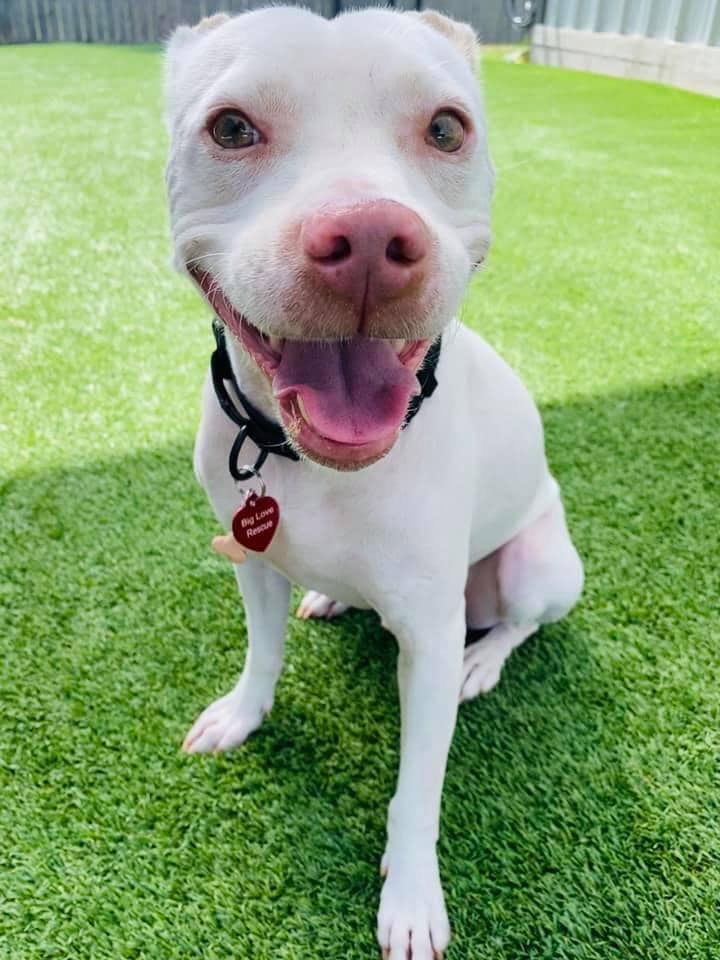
(353, 391)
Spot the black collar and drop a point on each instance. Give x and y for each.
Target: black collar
(269, 436)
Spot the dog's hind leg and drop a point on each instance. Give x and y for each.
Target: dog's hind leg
(229, 721)
(318, 606)
(538, 578)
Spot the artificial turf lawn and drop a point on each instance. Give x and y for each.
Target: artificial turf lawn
(581, 805)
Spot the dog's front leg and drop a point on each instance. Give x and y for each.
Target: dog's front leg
(230, 720)
(412, 921)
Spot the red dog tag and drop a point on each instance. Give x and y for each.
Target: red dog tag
(255, 523)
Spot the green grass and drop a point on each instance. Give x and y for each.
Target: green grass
(581, 807)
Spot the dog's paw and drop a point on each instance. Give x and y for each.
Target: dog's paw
(318, 606)
(412, 922)
(482, 667)
(223, 725)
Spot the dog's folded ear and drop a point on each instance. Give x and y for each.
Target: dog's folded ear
(211, 23)
(461, 35)
(184, 37)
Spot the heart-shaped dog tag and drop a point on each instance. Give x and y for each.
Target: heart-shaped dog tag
(255, 523)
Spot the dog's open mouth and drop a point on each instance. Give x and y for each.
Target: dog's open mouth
(341, 401)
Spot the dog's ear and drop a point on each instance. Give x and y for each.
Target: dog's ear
(461, 35)
(183, 38)
(211, 23)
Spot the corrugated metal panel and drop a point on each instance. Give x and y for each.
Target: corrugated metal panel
(133, 21)
(611, 16)
(691, 22)
(588, 13)
(713, 25)
(637, 17)
(687, 21)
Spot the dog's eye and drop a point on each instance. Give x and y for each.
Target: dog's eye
(233, 131)
(446, 132)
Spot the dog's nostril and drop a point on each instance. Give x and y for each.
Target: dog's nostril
(340, 249)
(397, 251)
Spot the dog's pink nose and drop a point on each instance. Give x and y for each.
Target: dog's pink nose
(369, 253)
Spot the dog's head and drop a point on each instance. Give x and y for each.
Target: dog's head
(329, 186)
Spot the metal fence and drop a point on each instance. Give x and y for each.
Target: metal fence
(685, 21)
(149, 21)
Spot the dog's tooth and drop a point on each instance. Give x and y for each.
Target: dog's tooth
(276, 343)
(398, 345)
(301, 408)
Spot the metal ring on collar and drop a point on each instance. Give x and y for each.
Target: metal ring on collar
(246, 473)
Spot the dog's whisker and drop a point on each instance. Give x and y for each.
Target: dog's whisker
(204, 256)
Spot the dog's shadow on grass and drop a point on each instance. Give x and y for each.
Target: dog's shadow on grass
(121, 624)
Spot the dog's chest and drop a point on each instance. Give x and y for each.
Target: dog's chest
(344, 536)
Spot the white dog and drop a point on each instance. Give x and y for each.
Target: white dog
(330, 185)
